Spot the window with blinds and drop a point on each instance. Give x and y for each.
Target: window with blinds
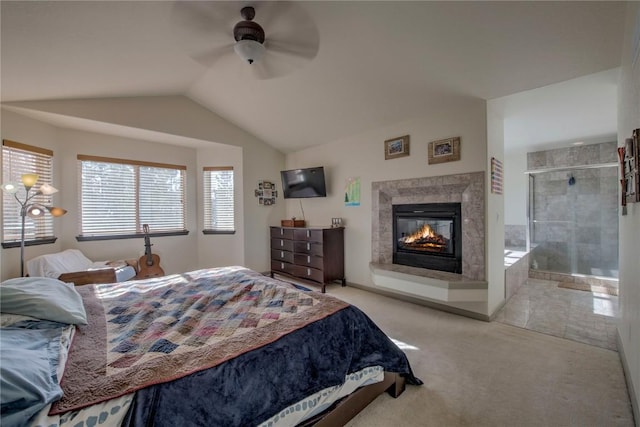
(219, 207)
(118, 196)
(18, 159)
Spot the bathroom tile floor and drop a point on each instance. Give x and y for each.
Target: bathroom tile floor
(541, 306)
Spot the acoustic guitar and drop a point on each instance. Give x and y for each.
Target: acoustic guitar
(149, 264)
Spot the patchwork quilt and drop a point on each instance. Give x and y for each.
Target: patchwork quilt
(148, 332)
(225, 346)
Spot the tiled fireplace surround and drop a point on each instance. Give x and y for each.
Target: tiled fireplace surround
(466, 189)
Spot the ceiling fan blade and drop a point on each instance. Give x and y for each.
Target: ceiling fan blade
(269, 12)
(204, 16)
(288, 23)
(307, 49)
(273, 65)
(202, 28)
(261, 71)
(211, 56)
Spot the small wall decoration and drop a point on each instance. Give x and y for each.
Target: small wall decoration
(496, 176)
(352, 192)
(444, 150)
(396, 147)
(266, 193)
(629, 156)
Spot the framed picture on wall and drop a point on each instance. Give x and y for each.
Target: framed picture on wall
(396, 147)
(444, 150)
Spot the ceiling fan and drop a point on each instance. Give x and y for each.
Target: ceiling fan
(285, 39)
(249, 36)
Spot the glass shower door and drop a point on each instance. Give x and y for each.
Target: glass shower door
(573, 221)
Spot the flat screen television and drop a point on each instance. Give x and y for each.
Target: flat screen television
(303, 183)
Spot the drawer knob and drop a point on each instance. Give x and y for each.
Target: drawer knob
(281, 254)
(308, 234)
(282, 265)
(308, 259)
(308, 272)
(281, 242)
(281, 231)
(308, 246)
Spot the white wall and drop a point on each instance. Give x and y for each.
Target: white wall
(178, 116)
(363, 156)
(516, 184)
(495, 213)
(629, 119)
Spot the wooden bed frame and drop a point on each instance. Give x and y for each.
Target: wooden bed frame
(98, 275)
(348, 407)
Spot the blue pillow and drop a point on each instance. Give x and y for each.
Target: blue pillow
(43, 298)
(28, 381)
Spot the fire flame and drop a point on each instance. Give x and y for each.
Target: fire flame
(425, 233)
(425, 239)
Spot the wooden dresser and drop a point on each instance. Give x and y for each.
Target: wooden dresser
(315, 254)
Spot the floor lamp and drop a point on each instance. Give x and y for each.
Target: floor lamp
(28, 207)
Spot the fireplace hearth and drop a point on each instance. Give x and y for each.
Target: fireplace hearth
(428, 235)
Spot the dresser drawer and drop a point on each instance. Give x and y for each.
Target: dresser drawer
(307, 235)
(283, 267)
(282, 233)
(308, 261)
(313, 254)
(310, 248)
(308, 273)
(282, 245)
(282, 255)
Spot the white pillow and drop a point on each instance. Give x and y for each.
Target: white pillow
(43, 298)
(53, 265)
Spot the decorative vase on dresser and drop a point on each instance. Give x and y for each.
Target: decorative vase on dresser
(313, 253)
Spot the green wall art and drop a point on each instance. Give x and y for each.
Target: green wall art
(352, 192)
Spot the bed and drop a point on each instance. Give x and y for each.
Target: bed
(71, 265)
(214, 347)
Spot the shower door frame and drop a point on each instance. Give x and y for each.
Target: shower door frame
(530, 217)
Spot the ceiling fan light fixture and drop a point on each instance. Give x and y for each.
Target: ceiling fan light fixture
(249, 50)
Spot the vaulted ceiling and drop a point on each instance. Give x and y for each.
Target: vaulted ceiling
(332, 69)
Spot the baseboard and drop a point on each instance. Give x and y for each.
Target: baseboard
(422, 302)
(498, 308)
(627, 377)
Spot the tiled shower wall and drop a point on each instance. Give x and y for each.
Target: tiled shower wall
(576, 229)
(515, 236)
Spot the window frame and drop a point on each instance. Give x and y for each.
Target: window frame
(43, 166)
(206, 205)
(136, 164)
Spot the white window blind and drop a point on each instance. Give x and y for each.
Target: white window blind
(18, 159)
(118, 196)
(219, 206)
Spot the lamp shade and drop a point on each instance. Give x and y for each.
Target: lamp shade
(249, 50)
(10, 187)
(36, 211)
(55, 211)
(47, 189)
(29, 179)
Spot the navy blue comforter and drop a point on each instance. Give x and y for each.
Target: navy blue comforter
(256, 385)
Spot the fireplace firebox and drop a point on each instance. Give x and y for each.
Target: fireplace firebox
(428, 235)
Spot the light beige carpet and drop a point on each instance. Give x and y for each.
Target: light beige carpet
(490, 374)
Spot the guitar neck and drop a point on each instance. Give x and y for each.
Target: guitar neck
(147, 245)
